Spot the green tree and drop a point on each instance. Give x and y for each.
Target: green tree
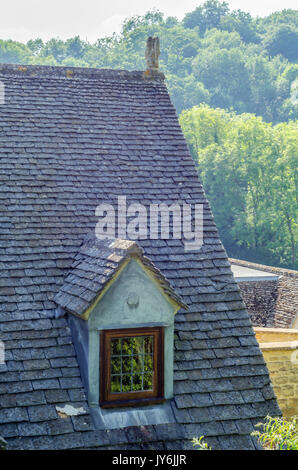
(206, 16)
(249, 171)
(217, 39)
(285, 182)
(12, 52)
(282, 39)
(288, 17)
(186, 92)
(266, 93)
(55, 48)
(214, 56)
(223, 72)
(75, 47)
(241, 23)
(152, 17)
(35, 45)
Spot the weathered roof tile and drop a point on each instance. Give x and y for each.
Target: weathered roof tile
(72, 139)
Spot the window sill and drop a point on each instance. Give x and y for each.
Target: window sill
(135, 402)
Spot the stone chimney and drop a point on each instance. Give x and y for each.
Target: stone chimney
(152, 54)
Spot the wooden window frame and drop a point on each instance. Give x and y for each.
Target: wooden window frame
(109, 399)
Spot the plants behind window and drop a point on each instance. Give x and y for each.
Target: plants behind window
(132, 364)
(132, 367)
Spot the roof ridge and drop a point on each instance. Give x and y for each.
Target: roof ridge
(65, 72)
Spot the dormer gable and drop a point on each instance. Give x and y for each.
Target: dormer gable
(121, 313)
(97, 266)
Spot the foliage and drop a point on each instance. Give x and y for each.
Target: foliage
(282, 40)
(200, 443)
(186, 92)
(242, 23)
(12, 52)
(278, 433)
(206, 16)
(289, 17)
(35, 45)
(131, 364)
(249, 171)
(215, 55)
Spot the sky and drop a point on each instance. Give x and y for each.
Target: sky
(22, 20)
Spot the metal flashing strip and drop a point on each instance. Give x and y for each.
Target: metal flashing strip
(137, 416)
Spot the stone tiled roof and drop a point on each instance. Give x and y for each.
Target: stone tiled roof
(272, 304)
(69, 140)
(96, 263)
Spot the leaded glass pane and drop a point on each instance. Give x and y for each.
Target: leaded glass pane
(116, 346)
(148, 381)
(126, 364)
(138, 345)
(116, 365)
(137, 363)
(126, 383)
(148, 344)
(132, 364)
(137, 382)
(126, 346)
(148, 364)
(116, 383)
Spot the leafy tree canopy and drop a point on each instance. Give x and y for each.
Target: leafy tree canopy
(249, 171)
(214, 55)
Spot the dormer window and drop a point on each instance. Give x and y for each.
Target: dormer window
(132, 367)
(121, 314)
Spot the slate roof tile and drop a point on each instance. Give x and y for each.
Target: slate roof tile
(41, 413)
(24, 443)
(32, 429)
(22, 399)
(67, 144)
(56, 396)
(9, 430)
(13, 415)
(84, 423)
(60, 426)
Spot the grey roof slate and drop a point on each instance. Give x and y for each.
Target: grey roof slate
(95, 264)
(71, 139)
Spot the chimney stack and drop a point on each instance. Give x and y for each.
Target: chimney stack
(152, 54)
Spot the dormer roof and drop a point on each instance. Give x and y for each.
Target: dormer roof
(97, 263)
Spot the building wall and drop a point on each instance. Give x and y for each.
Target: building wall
(271, 303)
(280, 350)
(275, 335)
